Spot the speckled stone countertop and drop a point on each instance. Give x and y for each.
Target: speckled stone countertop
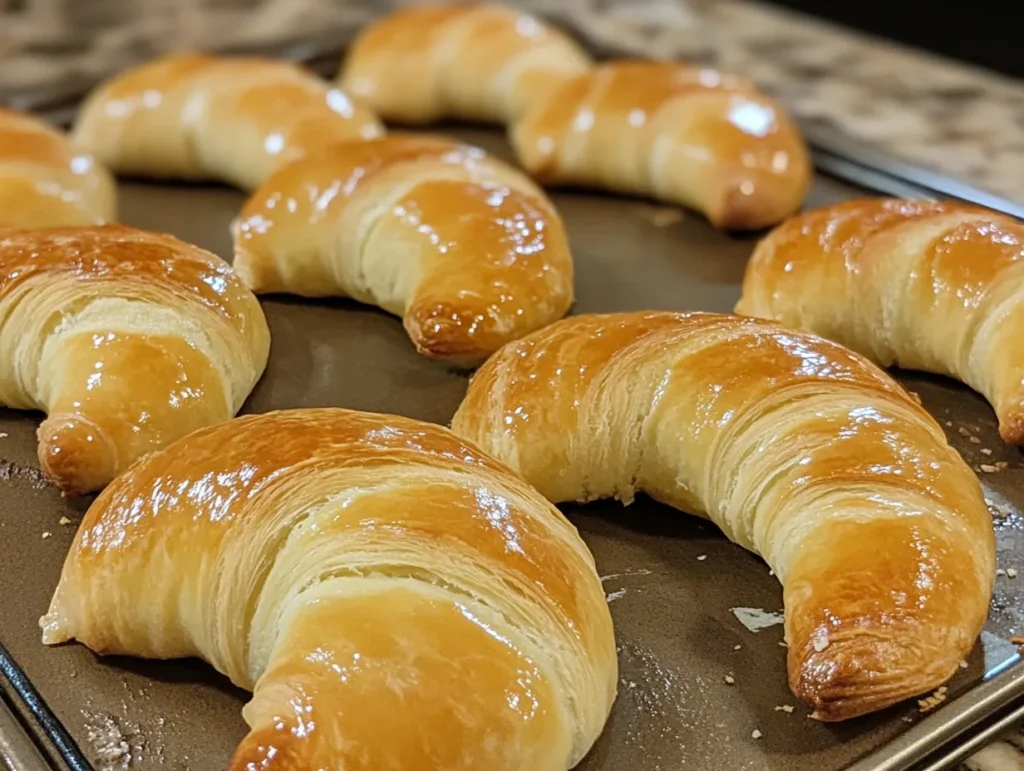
(959, 120)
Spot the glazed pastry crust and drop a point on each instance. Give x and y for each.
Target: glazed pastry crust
(128, 340)
(800, 450)
(467, 250)
(476, 61)
(395, 598)
(921, 285)
(45, 181)
(232, 119)
(675, 132)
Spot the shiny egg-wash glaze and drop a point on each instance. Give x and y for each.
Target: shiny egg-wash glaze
(45, 181)
(800, 450)
(475, 61)
(127, 340)
(679, 133)
(394, 598)
(235, 120)
(931, 286)
(467, 250)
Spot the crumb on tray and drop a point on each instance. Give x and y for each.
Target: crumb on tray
(730, 680)
(787, 708)
(46, 534)
(988, 468)
(65, 521)
(931, 702)
(702, 557)
(755, 734)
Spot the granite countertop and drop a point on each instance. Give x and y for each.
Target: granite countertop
(956, 119)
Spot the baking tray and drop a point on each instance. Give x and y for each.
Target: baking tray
(672, 579)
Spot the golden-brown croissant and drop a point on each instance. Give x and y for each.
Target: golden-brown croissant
(235, 120)
(394, 598)
(930, 286)
(800, 450)
(45, 181)
(476, 61)
(126, 339)
(679, 133)
(466, 249)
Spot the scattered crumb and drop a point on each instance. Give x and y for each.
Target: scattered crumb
(1011, 572)
(755, 734)
(783, 643)
(613, 596)
(632, 684)
(974, 440)
(949, 423)
(1000, 572)
(815, 715)
(771, 572)
(3, 434)
(47, 534)
(787, 708)
(65, 521)
(1001, 464)
(931, 702)
(730, 680)
(915, 396)
(963, 665)
(702, 557)
(985, 451)
(999, 510)
(736, 647)
(988, 468)
(963, 431)
(662, 218)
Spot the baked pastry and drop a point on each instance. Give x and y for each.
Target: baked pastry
(921, 285)
(193, 117)
(477, 61)
(466, 249)
(676, 132)
(126, 339)
(45, 181)
(395, 598)
(801, 451)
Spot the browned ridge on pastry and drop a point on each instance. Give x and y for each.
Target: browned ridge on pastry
(930, 286)
(128, 340)
(45, 181)
(232, 119)
(476, 61)
(676, 132)
(465, 248)
(394, 598)
(800, 450)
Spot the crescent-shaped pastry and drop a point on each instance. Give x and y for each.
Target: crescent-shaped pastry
(800, 450)
(676, 132)
(394, 598)
(45, 181)
(930, 286)
(477, 61)
(466, 249)
(128, 340)
(232, 119)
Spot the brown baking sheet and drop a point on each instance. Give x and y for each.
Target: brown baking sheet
(671, 579)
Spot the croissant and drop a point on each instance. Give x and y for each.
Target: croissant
(799, 450)
(126, 339)
(395, 598)
(922, 285)
(235, 120)
(466, 249)
(45, 181)
(476, 61)
(680, 133)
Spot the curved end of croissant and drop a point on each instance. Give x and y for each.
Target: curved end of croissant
(1011, 427)
(76, 454)
(269, 749)
(864, 674)
(453, 335)
(752, 204)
